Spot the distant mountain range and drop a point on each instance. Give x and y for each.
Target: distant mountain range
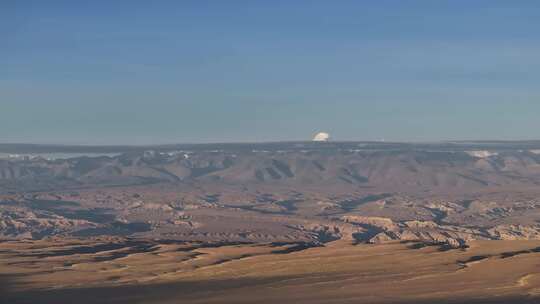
(385, 166)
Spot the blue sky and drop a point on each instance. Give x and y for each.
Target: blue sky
(107, 72)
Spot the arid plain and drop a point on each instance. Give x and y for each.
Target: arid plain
(267, 223)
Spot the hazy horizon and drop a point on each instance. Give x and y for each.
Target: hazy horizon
(342, 141)
(131, 72)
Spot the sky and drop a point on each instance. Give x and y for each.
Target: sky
(149, 72)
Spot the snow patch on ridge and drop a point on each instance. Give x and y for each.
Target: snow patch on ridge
(481, 153)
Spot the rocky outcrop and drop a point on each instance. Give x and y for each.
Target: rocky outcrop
(431, 232)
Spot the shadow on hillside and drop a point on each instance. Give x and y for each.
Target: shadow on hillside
(186, 292)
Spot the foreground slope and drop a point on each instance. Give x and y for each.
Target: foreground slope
(125, 271)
